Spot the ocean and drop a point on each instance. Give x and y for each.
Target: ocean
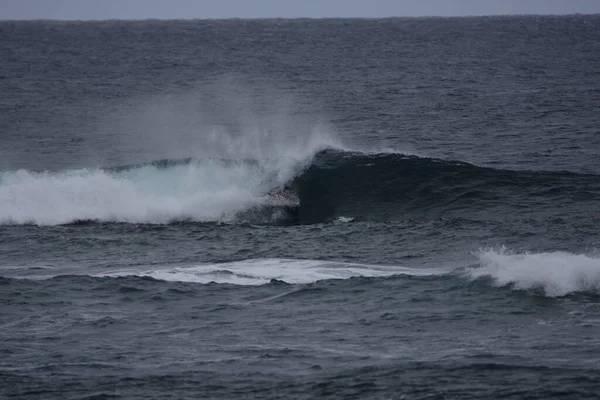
(402, 208)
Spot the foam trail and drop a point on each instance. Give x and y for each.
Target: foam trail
(556, 273)
(261, 271)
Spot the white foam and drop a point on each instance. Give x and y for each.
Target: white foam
(262, 271)
(556, 273)
(146, 194)
(204, 190)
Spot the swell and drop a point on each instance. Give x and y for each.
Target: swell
(328, 186)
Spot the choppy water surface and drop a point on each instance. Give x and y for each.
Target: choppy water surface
(396, 208)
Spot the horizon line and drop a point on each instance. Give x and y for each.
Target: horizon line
(292, 18)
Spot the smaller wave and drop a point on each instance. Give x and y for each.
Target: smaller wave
(263, 271)
(556, 273)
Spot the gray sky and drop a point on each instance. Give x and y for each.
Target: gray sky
(167, 9)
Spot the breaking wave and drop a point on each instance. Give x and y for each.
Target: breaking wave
(323, 186)
(555, 273)
(161, 192)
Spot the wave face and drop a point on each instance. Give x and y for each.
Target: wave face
(326, 186)
(395, 186)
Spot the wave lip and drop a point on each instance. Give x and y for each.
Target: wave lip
(262, 271)
(556, 273)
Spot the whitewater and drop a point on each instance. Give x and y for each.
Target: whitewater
(199, 190)
(193, 189)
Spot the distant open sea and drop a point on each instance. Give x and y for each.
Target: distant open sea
(403, 208)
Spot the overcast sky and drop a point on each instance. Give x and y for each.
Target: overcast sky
(167, 9)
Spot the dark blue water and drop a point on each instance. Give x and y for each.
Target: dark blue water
(394, 208)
